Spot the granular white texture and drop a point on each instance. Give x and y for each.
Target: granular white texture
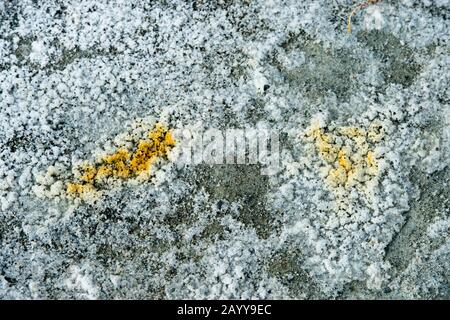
(357, 209)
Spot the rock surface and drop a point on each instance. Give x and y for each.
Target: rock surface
(359, 207)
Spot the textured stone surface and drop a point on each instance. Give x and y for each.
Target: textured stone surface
(358, 209)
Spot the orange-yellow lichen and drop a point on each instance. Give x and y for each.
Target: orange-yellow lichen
(123, 164)
(80, 189)
(323, 143)
(371, 159)
(346, 168)
(343, 160)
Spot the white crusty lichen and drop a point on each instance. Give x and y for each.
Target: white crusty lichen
(80, 280)
(349, 196)
(350, 158)
(368, 122)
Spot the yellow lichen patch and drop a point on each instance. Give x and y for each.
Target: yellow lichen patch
(344, 158)
(371, 159)
(323, 144)
(348, 151)
(142, 158)
(116, 164)
(337, 176)
(343, 161)
(122, 164)
(89, 173)
(81, 190)
(371, 163)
